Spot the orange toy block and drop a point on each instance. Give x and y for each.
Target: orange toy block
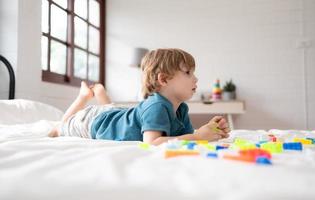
(255, 153)
(249, 155)
(175, 153)
(240, 158)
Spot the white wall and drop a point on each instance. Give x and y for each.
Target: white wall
(8, 42)
(309, 59)
(20, 37)
(29, 84)
(252, 41)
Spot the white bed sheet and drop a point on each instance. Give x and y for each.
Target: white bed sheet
(34, 166)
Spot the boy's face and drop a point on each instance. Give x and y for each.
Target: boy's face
(183, 85)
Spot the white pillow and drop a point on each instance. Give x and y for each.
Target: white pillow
(20, 111)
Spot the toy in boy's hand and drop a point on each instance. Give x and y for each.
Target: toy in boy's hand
(221, 124)
(216, 128)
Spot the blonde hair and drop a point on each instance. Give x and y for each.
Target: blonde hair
(165, 61)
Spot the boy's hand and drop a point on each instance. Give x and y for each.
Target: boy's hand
(217, 128)
(221, 124)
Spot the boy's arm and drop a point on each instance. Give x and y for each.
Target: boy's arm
(216, 129)
(156, 138)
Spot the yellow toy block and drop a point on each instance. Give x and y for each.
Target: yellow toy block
(242, 144)
(202, 141)
(240, 141)
(302, 140)
(210, 147)
(144, 145)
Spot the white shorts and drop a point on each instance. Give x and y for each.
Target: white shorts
(79, 124)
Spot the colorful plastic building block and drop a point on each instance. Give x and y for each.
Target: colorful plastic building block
(272, 138)
(212, 155)
(219, 147)
(238, 141)
(293, 146)
(191, 145)
(210, 147)
(243, 144)
(263, 141)
(175, 153)
(255, 153)
(263, 160)
(184, 142)
(216, 129)
(272, 147)
(239, 158)
(312, 139)
(144, 146)
(302, 140)
(202, 141)
(250, 155)
(225, 145)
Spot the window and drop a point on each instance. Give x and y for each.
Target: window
(72, 41)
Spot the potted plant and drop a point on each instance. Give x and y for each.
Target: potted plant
(229, 91)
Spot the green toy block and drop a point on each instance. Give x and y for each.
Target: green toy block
(272, 147)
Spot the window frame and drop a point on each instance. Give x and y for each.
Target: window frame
(69, 78)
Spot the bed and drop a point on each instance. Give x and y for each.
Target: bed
(34, 166)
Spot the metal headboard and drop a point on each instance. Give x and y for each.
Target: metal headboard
(12, 77)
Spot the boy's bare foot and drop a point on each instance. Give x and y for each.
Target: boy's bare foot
(101, 94)
(79, 103)
(85, 92)
(53, 133)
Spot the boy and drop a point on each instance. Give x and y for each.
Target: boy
(168, 81)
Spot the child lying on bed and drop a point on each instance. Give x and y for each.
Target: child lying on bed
(168, 81)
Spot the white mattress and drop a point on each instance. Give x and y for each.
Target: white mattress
(33, 166)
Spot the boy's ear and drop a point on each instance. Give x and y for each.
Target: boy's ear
(162, 79)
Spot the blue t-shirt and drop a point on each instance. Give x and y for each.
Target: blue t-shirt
(153, 114)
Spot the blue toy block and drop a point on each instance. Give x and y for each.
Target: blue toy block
(218, 147)
(212, 155)
(293, 146)
(191, 145)
(262, 160)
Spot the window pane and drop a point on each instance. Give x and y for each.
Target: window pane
(80, 34)
(58, 23)
(58, 57)
(62, 3)
(94, 40)
(44, 52)
(94, 68)
(80, 63)
(45, 15)
(80, 8)
(94, 12)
